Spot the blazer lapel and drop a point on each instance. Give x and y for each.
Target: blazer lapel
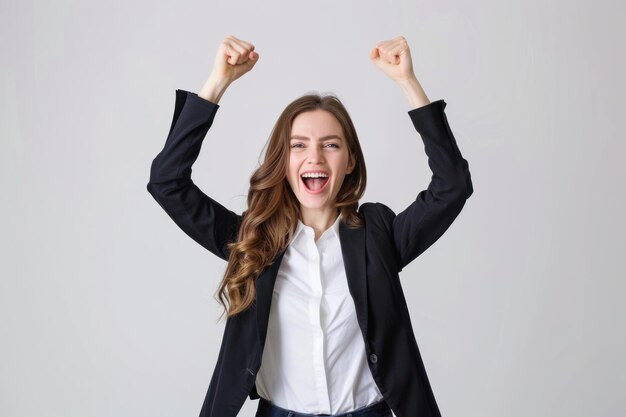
(353, 252)
(264, 289)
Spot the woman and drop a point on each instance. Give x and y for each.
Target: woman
(317, 323)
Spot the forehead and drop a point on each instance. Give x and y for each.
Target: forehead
(316, 123)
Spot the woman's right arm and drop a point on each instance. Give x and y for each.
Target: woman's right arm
(198, 215)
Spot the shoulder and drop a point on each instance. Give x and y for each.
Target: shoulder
(377, 215)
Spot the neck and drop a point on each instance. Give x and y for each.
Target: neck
(320, 221)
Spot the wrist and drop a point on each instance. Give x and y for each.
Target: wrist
(408, 83)
(413, 91)
(213, 89)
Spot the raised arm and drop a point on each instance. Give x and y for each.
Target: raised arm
(418, 226)
(198, 215)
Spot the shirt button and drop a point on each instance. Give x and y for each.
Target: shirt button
(373, 358)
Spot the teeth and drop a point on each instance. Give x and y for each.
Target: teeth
(314, 175)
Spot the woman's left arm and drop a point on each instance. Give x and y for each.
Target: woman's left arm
(433, 211)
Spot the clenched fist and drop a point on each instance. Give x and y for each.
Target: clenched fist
(234, 58)
(393, 57)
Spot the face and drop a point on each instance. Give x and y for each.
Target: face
(319, 149)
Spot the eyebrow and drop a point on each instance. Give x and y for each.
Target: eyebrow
(323, 138)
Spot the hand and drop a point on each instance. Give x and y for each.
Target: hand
(393, 57)
(234, 58)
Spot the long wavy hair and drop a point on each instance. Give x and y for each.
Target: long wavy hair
(271, 218)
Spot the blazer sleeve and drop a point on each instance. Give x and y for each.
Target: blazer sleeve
(198, 215)
(417, 227)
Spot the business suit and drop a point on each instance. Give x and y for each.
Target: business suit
(373, 255)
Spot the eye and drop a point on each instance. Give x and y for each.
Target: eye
(334, 145)
(297, 145)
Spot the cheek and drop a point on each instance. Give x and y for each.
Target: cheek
(292, 173)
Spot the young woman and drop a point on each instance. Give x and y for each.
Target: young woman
(317, 323)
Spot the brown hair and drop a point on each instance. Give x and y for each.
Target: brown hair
(273, 209)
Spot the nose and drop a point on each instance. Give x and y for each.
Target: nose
(316, 155)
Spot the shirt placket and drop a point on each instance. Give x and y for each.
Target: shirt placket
(315, 320)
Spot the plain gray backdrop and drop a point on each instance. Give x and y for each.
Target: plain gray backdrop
(107, 308)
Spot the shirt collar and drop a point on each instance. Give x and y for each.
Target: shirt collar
(301, 226)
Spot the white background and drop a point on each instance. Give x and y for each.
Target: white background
(106, 307)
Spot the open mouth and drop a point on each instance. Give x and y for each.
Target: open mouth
(315, 183)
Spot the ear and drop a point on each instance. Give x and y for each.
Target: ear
(351, 164)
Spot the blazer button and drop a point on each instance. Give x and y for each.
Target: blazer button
(373, 358)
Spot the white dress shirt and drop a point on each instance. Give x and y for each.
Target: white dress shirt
(314, 358)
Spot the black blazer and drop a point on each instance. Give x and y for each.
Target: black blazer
(373, 255)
